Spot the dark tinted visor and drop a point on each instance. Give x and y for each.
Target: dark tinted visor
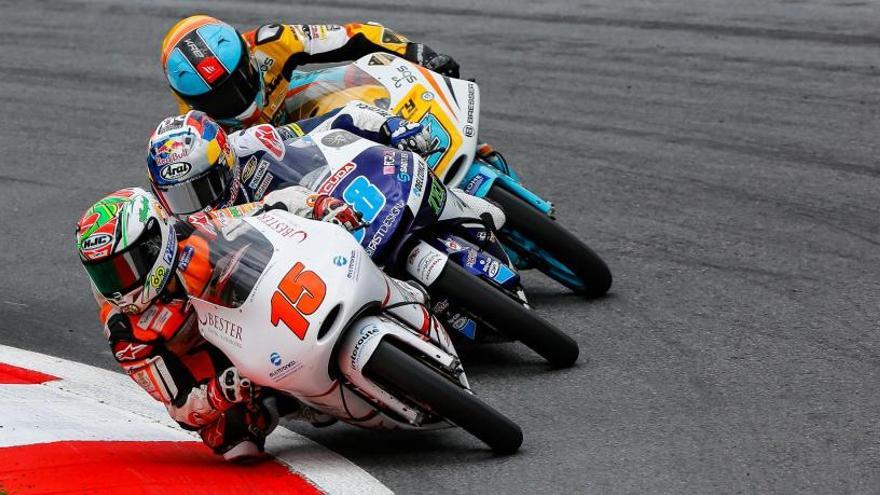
(198, 193)
(234, 95)
(127, 269)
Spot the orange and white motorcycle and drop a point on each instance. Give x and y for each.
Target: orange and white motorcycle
(298, 307)
(450, 110)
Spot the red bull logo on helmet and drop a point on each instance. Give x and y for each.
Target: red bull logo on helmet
(171, 150)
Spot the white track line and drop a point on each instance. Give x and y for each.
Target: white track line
(145, 419)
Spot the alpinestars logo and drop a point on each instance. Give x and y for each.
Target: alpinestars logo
(130, 352)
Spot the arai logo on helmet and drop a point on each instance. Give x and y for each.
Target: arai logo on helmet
(174, 171)
(96, 241)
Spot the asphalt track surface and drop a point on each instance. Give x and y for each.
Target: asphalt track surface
(722, 156)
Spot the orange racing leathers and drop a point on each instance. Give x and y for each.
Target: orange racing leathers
(280, 48)
(162, 350)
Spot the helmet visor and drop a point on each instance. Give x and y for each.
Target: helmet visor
(234, 95)
(127, 269)
(198, 193)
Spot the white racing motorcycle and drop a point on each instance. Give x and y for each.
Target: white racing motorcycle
(299, 307)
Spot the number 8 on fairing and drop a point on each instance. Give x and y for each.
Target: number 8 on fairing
(366, 198)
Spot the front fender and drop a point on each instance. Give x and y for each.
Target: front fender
(358, 346)
(480, 179)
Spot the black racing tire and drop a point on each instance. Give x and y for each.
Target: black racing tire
(552, 237)
(506, 315)
(392, 366)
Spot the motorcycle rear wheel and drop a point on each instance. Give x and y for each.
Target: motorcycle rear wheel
(506, 315)
(392, 366)
(587, 273)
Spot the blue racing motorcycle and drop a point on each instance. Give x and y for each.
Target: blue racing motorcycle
(450, 109)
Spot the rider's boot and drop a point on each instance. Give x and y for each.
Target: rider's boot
(244, 452)
(240, 433)
(479, 207)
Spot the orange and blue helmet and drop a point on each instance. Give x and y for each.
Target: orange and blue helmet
(191, 164)
(208, 65)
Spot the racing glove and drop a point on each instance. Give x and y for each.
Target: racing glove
(443, 64)
(333, 210)
(407, 136)
(303, 202)
(429, 59)
(206, 402)
(229, 388)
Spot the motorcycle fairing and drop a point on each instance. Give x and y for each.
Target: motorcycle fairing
(259, 339)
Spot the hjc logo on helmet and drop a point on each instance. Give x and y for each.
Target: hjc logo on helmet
(96, 241)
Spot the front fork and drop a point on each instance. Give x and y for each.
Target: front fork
(480, 179)
(425, 262)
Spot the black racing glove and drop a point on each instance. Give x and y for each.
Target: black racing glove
(426, 57)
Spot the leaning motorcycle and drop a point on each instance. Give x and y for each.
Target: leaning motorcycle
(299, 308)
(450, 109)
(417, 228)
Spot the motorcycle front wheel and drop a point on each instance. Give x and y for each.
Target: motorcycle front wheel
(506, 315)
(391, 366)
(551, 248)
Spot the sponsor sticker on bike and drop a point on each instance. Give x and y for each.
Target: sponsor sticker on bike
(354, 266)
(261, 191)
(185, 258)
(330, 184)
(474, 184)
(282, 371)
(437, 196)
(425, 263)
(417, 187)
(338, 139)
(222, 329)
(249, 168)
(281, 226)
(365, 334)
(258, 174)
(385, 227)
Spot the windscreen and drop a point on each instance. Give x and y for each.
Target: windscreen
(317, 92)
(304, 163)
(239, 254)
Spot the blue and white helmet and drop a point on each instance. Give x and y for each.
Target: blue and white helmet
(209, 66)
(191, 165)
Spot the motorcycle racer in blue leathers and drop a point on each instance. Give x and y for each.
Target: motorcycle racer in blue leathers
(193, 165)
